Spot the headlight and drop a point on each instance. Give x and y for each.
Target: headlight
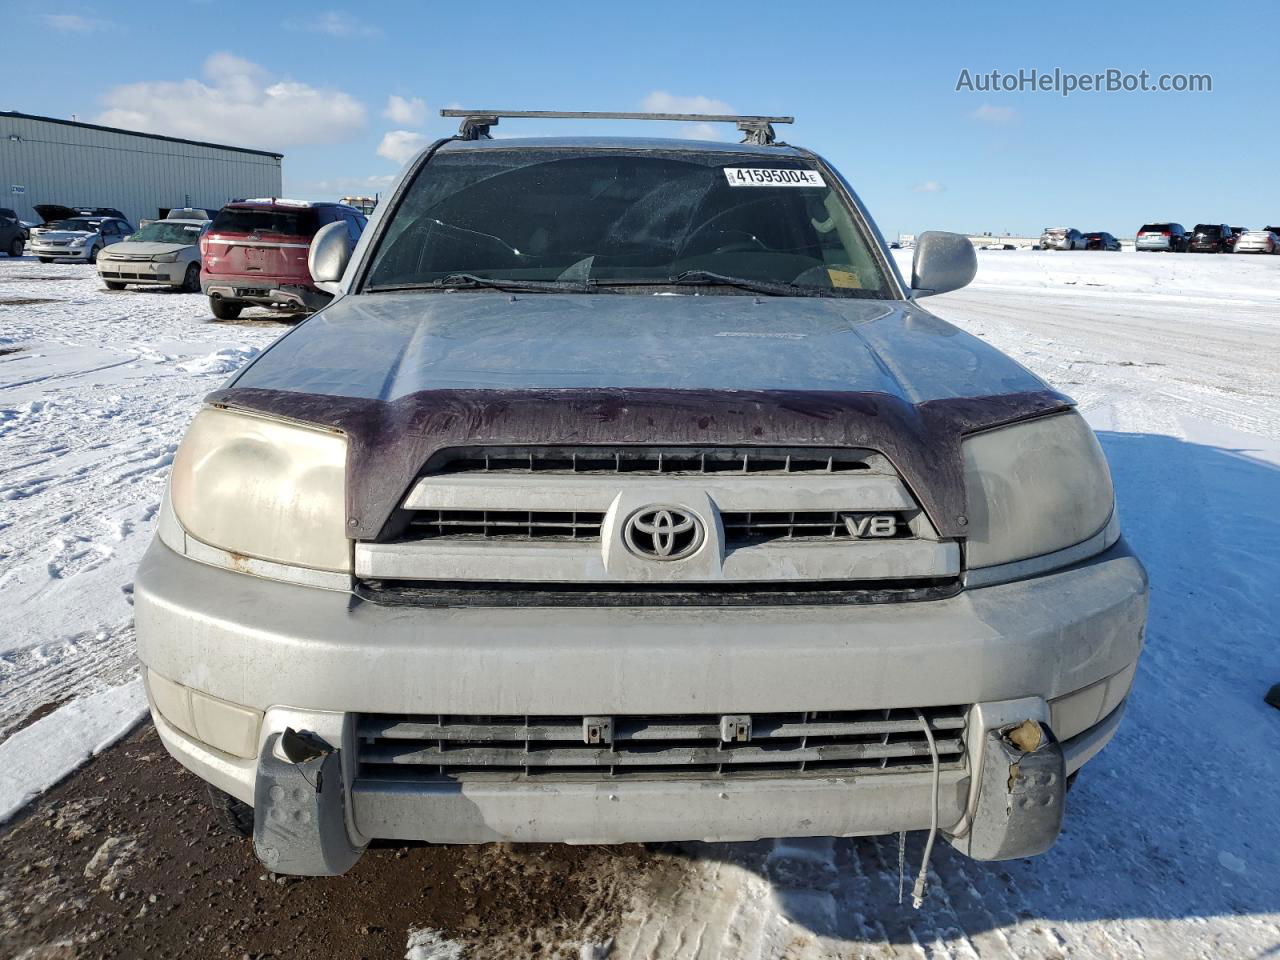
(263, 488)
(1034, 488)
(78, 241)
(165, 258)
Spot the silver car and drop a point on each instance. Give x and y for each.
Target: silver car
(673, 515)
(164, 252)
(1062, 238)
(76, 238)
(1162, 237)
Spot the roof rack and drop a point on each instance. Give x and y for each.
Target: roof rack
(476, 123)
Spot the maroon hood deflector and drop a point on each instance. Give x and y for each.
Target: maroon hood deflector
(389, 441)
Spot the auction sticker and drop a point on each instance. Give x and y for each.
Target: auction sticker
(767, 177)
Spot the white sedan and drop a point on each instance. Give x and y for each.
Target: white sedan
(1258, 241)
(164, 252)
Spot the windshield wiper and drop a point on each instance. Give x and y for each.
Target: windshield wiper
(471, 281)
(780, 288)
(707, 278)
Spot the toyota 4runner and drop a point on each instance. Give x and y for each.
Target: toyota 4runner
(625, 492)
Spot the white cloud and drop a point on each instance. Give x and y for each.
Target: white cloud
(997, 116)
(399, 146)
(929, 186)
(73, 23)
(659, 101)
(342, 186)
(409, 112)
(237, 102)
(335, 23)
(701, 131)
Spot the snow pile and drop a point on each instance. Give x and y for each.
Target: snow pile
(427, 944)
(38, 756)
(220, 362)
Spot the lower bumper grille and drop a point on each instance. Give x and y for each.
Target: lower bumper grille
(693, 746)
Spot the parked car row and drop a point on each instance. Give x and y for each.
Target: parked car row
(1170, 237)
(1069, 238)
(252, 252)
(1206, 238)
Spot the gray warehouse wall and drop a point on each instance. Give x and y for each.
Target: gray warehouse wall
(85, 165)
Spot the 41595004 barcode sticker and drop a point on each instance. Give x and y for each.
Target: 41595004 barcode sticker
(767, 177)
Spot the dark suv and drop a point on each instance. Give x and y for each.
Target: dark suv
(1212, 238)
(255, 252)
(13, 235)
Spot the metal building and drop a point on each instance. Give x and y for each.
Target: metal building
(46, 160)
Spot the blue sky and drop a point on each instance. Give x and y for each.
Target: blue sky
(872, 87)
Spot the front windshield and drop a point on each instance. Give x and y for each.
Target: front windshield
(626, 218)
(86, 226)
(166, 231)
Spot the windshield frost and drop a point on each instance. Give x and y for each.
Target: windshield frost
(651, 217)
(168, 232)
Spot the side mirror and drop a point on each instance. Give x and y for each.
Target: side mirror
(942, 262)
(327, 258)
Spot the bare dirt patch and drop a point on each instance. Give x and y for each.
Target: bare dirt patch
(124, 860)
(39, 713)
(27, 301)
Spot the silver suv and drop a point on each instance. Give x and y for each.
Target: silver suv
(1063, 238)
(625, 492)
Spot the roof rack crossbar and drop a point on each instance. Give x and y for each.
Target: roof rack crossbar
(476, 123)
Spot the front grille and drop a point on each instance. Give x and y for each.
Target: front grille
(504, 525)
(452, 594)
(740, 529)
(660, 747)
(743, 529)
(652, 460)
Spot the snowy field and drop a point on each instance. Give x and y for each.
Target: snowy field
(1172, 843)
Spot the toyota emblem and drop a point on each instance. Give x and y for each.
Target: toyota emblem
(663, 533)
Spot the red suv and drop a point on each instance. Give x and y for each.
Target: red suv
(255, 252)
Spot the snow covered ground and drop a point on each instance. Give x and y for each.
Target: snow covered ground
(96, 388)
(1172, 845)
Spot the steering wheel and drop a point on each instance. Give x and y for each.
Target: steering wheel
(732, 241)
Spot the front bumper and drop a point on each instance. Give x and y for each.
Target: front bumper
(141, 271)
(59, 253)
(313, 659)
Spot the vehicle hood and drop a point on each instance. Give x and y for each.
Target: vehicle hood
(54, 211)
(386, 346)
(406, 375)
(62, 234)
(140, 247)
